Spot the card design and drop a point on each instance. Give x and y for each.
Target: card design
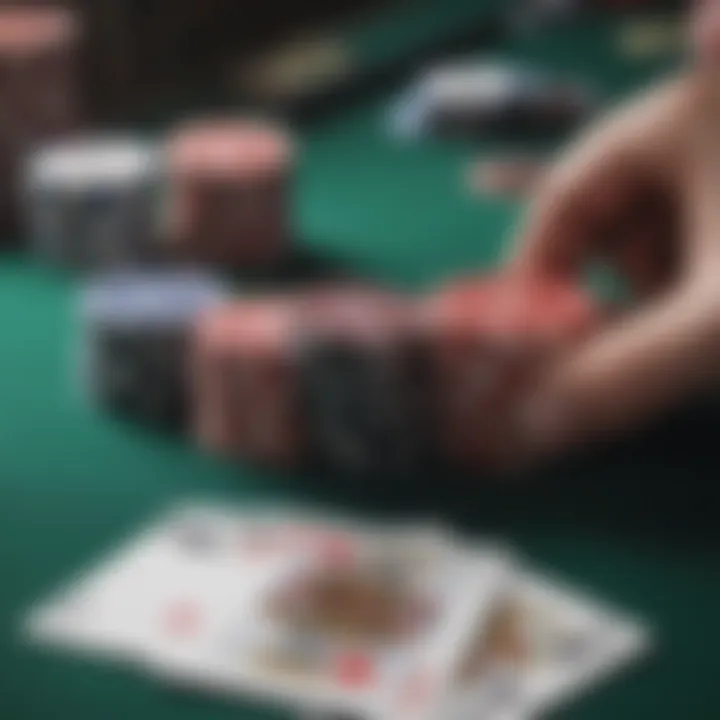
(340, 618)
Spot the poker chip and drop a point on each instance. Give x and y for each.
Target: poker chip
(221, 149)
(227, 197)
(40, 95)
(90, 203)
(135, 331)
(489, 342)
(244, 387)
(357, 375)
(26, 31)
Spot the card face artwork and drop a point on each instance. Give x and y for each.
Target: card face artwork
(339, 618)
(542, 645)
(366, 622)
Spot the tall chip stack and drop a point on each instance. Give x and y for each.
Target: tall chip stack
(245, 395)
(228, 193)
(40, 97)
(489, 341)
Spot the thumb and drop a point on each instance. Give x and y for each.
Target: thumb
(623, 376)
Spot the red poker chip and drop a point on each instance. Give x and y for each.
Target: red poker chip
(512, 305)
(490, 341)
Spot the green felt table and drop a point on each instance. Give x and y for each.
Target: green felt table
(634, 524)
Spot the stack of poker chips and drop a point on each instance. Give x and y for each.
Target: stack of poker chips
(136, 329)
(212, 194)
(325, 378)
(244, 385)
(39, 90)
(227, 196)
(90, 203)
(361, 382)
(488, 344)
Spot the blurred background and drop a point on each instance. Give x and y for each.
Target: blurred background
(636, 521)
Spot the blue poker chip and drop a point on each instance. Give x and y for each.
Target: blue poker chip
(161, 298)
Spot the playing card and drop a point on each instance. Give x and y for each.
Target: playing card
(336, 618)
(541, 646)
(538, 647)
(110, 610)
(102, 611)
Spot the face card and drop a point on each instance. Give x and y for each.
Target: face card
(541, 646)
(343, 619)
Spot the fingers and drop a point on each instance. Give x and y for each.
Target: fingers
(645, 248)
(628, 373)
(572, 199)
(584, 194)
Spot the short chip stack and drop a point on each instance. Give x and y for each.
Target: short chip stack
(245, 400)
(489, 341)
(228, 193)
(359, 370)
(135, 333)
(90, 203)
(39, 92)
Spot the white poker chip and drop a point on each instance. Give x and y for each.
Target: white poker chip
(86, 163)
(90, 202)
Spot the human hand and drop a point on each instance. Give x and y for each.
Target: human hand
(641, 191)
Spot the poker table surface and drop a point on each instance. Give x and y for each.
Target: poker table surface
(633, 523)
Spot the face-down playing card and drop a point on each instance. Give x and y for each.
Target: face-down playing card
(351, 620)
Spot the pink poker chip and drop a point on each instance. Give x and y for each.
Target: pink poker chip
(356, 313)
(25, 31)
(255, 325)
(228, 149)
